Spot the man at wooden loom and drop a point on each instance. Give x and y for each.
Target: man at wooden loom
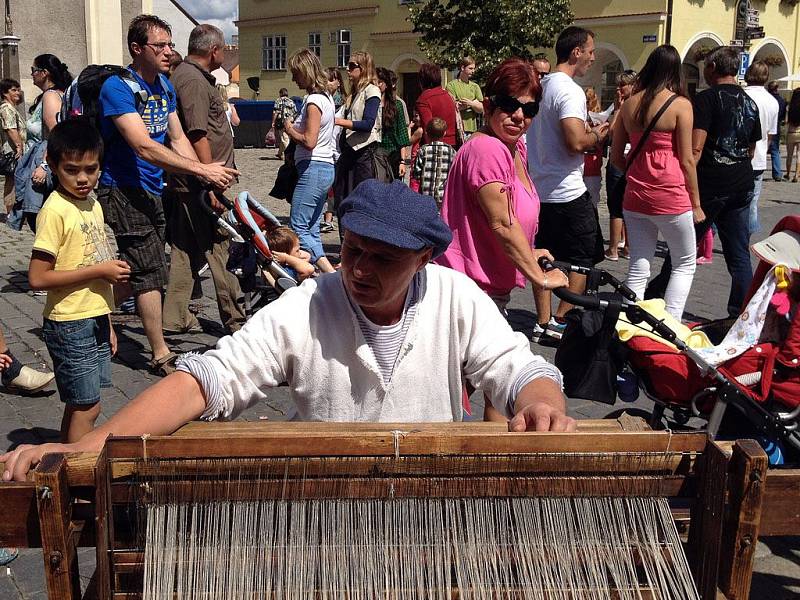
(388, 338)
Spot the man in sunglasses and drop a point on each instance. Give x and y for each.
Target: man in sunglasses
(136, 127)
(557, 140)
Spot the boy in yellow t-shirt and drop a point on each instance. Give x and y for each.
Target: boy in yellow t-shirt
(72, 260)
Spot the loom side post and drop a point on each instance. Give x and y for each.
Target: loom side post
(707, 512)
(746, 484)
(59, 535)
(103, 527)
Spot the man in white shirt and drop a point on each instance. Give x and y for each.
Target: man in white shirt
(557, 140)
(389, 338)
(756, 77)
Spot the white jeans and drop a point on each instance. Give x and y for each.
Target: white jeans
(678, 233)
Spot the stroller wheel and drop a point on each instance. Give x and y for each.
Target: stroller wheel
(681, 417)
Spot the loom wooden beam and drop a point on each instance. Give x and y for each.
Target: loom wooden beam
(705, 532)
(408, 441)
(780, 514)
(59, 532)
(746, 478)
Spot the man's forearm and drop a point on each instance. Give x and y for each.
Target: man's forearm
(158, 410)
(202, 148)
(170, 161)
(540, 390)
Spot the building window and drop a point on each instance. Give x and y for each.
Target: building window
(273, 53)
(315, 43)
(343, 48)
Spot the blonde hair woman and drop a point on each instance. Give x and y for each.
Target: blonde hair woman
(362, 156)
(230, 109)
(312, 131)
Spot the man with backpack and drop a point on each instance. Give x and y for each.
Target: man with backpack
(194, 238)
(284, 109)
(135, 128)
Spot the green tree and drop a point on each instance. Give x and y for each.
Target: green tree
(489, 31)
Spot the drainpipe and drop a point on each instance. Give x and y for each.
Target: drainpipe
(668, 34)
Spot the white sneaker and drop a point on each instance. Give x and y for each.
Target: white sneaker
(553, 329)
(30, 380)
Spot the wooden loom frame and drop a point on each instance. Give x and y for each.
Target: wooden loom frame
(719, 489)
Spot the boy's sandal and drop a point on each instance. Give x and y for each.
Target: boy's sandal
(163, 366)
(7, 555)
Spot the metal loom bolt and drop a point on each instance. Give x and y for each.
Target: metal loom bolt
(45, 493)
(55, 559)
(747, 541)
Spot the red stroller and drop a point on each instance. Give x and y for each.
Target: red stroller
(762, 384)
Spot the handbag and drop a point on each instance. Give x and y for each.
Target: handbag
(617, 193)
(589, 355)
(8, 164)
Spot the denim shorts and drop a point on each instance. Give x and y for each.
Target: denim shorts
(81, 353)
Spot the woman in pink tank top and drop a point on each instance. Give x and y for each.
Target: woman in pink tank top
(661, 196)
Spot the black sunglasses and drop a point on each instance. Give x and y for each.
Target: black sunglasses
(353, 65)
(510, 105)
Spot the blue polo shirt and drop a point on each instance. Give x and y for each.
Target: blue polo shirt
(121, 166)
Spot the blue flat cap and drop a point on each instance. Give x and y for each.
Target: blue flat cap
(394, 214)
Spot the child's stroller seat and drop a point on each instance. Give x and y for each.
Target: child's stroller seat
(767, 374)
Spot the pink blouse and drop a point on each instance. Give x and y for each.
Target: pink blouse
(475, 250)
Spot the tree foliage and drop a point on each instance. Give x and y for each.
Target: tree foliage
(489, 31)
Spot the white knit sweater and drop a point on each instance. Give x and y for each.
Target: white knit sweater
(310, 339)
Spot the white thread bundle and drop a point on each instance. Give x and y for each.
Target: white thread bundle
(485, 548)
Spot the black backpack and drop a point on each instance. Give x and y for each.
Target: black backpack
(82, 97)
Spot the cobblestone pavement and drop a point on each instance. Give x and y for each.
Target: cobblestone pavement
(37, 419)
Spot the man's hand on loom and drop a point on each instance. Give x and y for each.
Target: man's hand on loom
(541, 416)
(23, 458)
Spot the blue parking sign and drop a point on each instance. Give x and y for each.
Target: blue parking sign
(745, 56)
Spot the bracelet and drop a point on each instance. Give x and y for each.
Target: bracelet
(406, 161)
(544, 283)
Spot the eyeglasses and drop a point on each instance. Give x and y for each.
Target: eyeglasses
(35, 70)
(352, 66)
(510, 105)
(160, 46)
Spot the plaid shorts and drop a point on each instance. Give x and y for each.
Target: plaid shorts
(137, 219)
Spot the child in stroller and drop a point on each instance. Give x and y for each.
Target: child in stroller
(285, 245)
(752, 368)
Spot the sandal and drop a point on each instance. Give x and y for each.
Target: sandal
(624, 253)
(611, 257)
(163, 366)
(7, 555)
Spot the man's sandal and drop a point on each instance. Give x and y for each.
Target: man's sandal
(163, 366)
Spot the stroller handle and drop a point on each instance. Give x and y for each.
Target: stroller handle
(564, 293)
(205, 204)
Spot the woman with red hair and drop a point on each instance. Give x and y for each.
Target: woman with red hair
(490, 202)
(435, 101)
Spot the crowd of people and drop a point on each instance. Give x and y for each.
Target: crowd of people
(413, 315)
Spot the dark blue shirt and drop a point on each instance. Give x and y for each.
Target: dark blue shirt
(121, 166)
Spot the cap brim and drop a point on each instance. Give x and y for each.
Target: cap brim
(367, 226)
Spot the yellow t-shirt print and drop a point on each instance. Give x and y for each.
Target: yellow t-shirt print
(156, 114)
(73, 232)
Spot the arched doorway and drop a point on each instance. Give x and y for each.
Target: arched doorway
(609, 61)
(693, 56)
(407, 66)
(772, 52)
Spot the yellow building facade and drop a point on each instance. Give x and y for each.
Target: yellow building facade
(271, 30)
(626, 33)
